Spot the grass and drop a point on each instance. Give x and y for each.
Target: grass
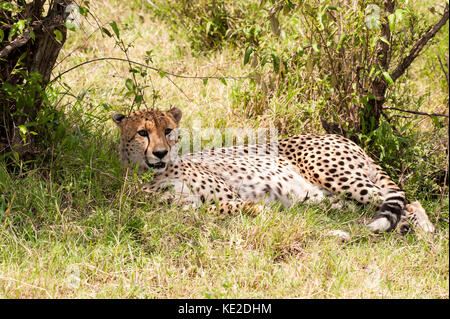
(121, 245)
(76, 227)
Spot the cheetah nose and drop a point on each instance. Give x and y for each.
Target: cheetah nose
(160, 154)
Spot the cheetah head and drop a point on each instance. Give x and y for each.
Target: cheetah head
(148, 137)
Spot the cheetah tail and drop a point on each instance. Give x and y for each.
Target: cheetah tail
(390, 212)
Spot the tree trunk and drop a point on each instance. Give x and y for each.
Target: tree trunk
(34, 50)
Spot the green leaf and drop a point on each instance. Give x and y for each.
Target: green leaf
(58, 36)
(208, 27)
(388, 78)
(385, 40)
(320, 15)
(16, 28)
(2, 35)
(399, 14)
(315, 47)
(276, 63)
(247, 54)
(22, 56)
(83, 10)
(333, 8)
(106, 106)
(372, 71)
(115, 29)
(436, 122)
(161, 73)
(129, 84)
(6, 6)
(341, 40)
(106, 31)
(391, 19)
(138, 99)
(223, 81)
(148, 56)
(21, 25)
(205, 81)
(23, 129)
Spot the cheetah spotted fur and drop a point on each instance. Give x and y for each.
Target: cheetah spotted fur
(296, 169)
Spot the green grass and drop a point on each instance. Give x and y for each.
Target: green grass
(85, 220)
(74, 226)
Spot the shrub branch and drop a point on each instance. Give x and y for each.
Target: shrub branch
(151, 68)
(415, 112)
(420, 44)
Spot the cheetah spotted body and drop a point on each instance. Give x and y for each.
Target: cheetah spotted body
(298, 168)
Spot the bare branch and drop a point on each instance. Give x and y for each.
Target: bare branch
(415, 112)
(406, 62)
(151, 68)
(21, 40)
(443, 69)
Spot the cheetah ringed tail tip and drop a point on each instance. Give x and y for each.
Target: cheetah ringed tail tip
(390, 212)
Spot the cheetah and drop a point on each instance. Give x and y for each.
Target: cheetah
(295, 169)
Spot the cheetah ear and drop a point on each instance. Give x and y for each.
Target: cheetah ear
(176, 113)
(117, 118)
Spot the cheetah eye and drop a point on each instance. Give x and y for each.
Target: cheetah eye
(167, 131)
(143, 133)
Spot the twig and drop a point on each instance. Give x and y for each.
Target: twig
(445, 176)
(151, 68)
(190, 100)
(415, 112)
(443, 69)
